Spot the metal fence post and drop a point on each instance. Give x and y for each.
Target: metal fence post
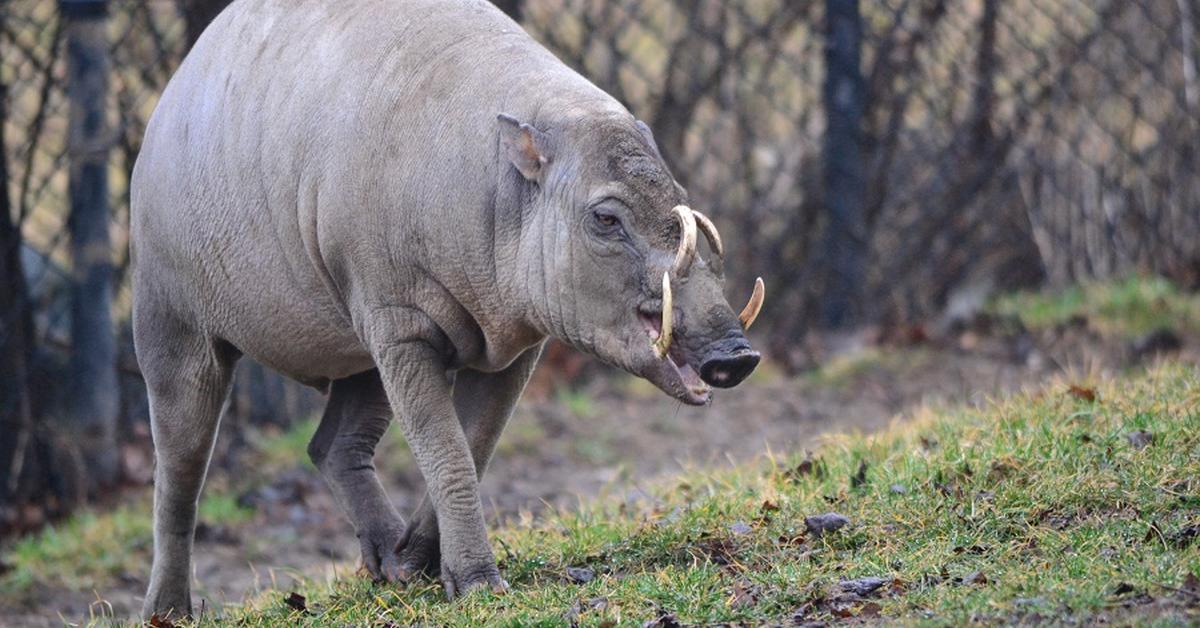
(845, 240)
(95, 398)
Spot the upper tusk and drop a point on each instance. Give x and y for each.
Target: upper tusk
(687, 244)
(710, 232)
(750, 312)
(662, 344)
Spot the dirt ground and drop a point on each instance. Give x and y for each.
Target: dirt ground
(614, 437)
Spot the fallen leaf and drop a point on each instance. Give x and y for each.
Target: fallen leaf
(870, 609)
(860, 477)
(160, 622)
(808, 466)
(580, 575)
(828, 522)
(769, 506)
(1152, 532)
(1185, 536)
(297, 602)
(792, 540)
(975, 577)
(1140, 439)
(1085, 393)
(1191, 584)
(719, 550)
(745, 594)
(665, 619)
(949, 489)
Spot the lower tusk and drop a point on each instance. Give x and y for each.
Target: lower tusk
(750, 312)
(663, 343)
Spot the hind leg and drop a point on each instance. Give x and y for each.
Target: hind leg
(187, 377)
(343, 449)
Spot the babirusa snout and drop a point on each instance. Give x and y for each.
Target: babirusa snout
(662, 344)
(687, 244)
(750, 312)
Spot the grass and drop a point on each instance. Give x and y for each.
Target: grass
(1127, 308)
(844, 371)
(1042, 504)
(1072, 503)
(90, 547)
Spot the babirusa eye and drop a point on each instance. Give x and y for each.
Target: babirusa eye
(607, 220)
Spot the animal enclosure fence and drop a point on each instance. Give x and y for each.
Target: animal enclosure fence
(1000, 143)
(1003, 140)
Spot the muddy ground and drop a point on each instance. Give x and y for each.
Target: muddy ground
(614, 436)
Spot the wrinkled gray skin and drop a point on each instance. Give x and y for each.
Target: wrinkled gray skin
(329, 187)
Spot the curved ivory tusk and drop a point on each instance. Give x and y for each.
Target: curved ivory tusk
(750, 312)
(710, 232)
(663, 343)
(687, 244)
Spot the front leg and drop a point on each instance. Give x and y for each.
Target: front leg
(414, 378)
(484, 402)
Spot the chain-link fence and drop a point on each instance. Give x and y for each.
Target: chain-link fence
(1002, 143)
(1003, 140)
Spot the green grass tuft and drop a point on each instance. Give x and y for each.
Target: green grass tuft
(90, 548)
(1127, 308)
(1040, 504)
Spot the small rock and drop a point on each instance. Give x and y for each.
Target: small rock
(863, 586)
(1140, 439)
(741, 527)
(828, 522)
(899, 489)
(580, 575)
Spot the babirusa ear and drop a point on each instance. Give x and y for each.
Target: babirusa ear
(525, 146)
(644, 129)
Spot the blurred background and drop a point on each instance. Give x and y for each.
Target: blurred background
(896, 170)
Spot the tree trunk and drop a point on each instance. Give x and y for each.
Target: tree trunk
(511, 7)
(197, 14)
(845, 241)
(95, 397)
(16, 350)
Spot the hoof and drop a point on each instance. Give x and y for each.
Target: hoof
(477, 580)
(380, 557)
